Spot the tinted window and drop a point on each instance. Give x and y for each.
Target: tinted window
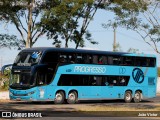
(80, 58)
(102, 59)
(50, 57)
(127, 61)
(151, 62)
(92, 80)
(145, 62)
(44, 76)
(114, 60)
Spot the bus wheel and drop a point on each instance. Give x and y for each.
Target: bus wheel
(59, 98)
(137, 97)
(128, 97)
(72, 97)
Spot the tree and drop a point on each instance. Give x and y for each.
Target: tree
(132, 50)
(117, 48)
(4, 79)
(141, 16)
(23, 15)
(69, 20)
(10, 41)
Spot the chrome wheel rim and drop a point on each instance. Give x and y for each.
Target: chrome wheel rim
(72, 97)
(137, 96)
(58, 97)
(128, 97)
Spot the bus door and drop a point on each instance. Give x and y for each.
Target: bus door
(41, 78)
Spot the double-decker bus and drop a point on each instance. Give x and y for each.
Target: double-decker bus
(64, 74)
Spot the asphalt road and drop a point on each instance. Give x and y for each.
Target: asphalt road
(66, 111)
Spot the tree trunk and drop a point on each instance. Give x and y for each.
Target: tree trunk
(114, 41)
(66, 42)
(29, 35)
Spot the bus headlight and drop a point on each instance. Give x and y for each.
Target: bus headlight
(30, 93)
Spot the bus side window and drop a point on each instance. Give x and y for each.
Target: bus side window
(79, 58)
(116, 60)
(110, 60)
(41, 77)
(141, 61)
(63, 58)
(105, 81)
(152, 62)
(95, 59)
(127, 61)
(100, 60)
(87, 59)
(50, 57)
(72, 58)
(104, 59)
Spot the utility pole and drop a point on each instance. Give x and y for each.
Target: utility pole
(114, 41)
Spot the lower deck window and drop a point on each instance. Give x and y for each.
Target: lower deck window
(93, 80)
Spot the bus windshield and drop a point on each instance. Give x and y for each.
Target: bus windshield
(27, 58)
(21, 80)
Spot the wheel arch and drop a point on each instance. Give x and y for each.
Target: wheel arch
(139, 91)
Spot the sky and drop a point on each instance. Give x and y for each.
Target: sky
(126, 38)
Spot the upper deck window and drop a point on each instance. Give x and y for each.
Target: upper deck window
(27, 58)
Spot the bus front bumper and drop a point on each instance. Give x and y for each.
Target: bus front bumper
(29, 95)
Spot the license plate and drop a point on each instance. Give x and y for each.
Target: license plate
(18, 99)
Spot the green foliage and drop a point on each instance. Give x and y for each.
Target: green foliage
(6, 85)
(23, 15)
(118, 48)
(68, 20)
(140, 16)
(61, 20)
(10, 41)
(4, 80)
(133, 50)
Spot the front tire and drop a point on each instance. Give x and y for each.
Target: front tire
(128, 97)
(137, 97)
(59, 98)
(72, 98)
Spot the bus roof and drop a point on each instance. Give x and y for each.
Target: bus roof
(72, 50)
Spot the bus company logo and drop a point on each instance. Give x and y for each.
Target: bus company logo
(138, 75)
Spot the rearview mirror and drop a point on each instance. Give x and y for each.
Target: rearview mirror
(5, 67)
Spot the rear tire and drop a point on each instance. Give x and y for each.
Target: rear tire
(137, 97)
(128, 97)
(59, 98)
(72, 98)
